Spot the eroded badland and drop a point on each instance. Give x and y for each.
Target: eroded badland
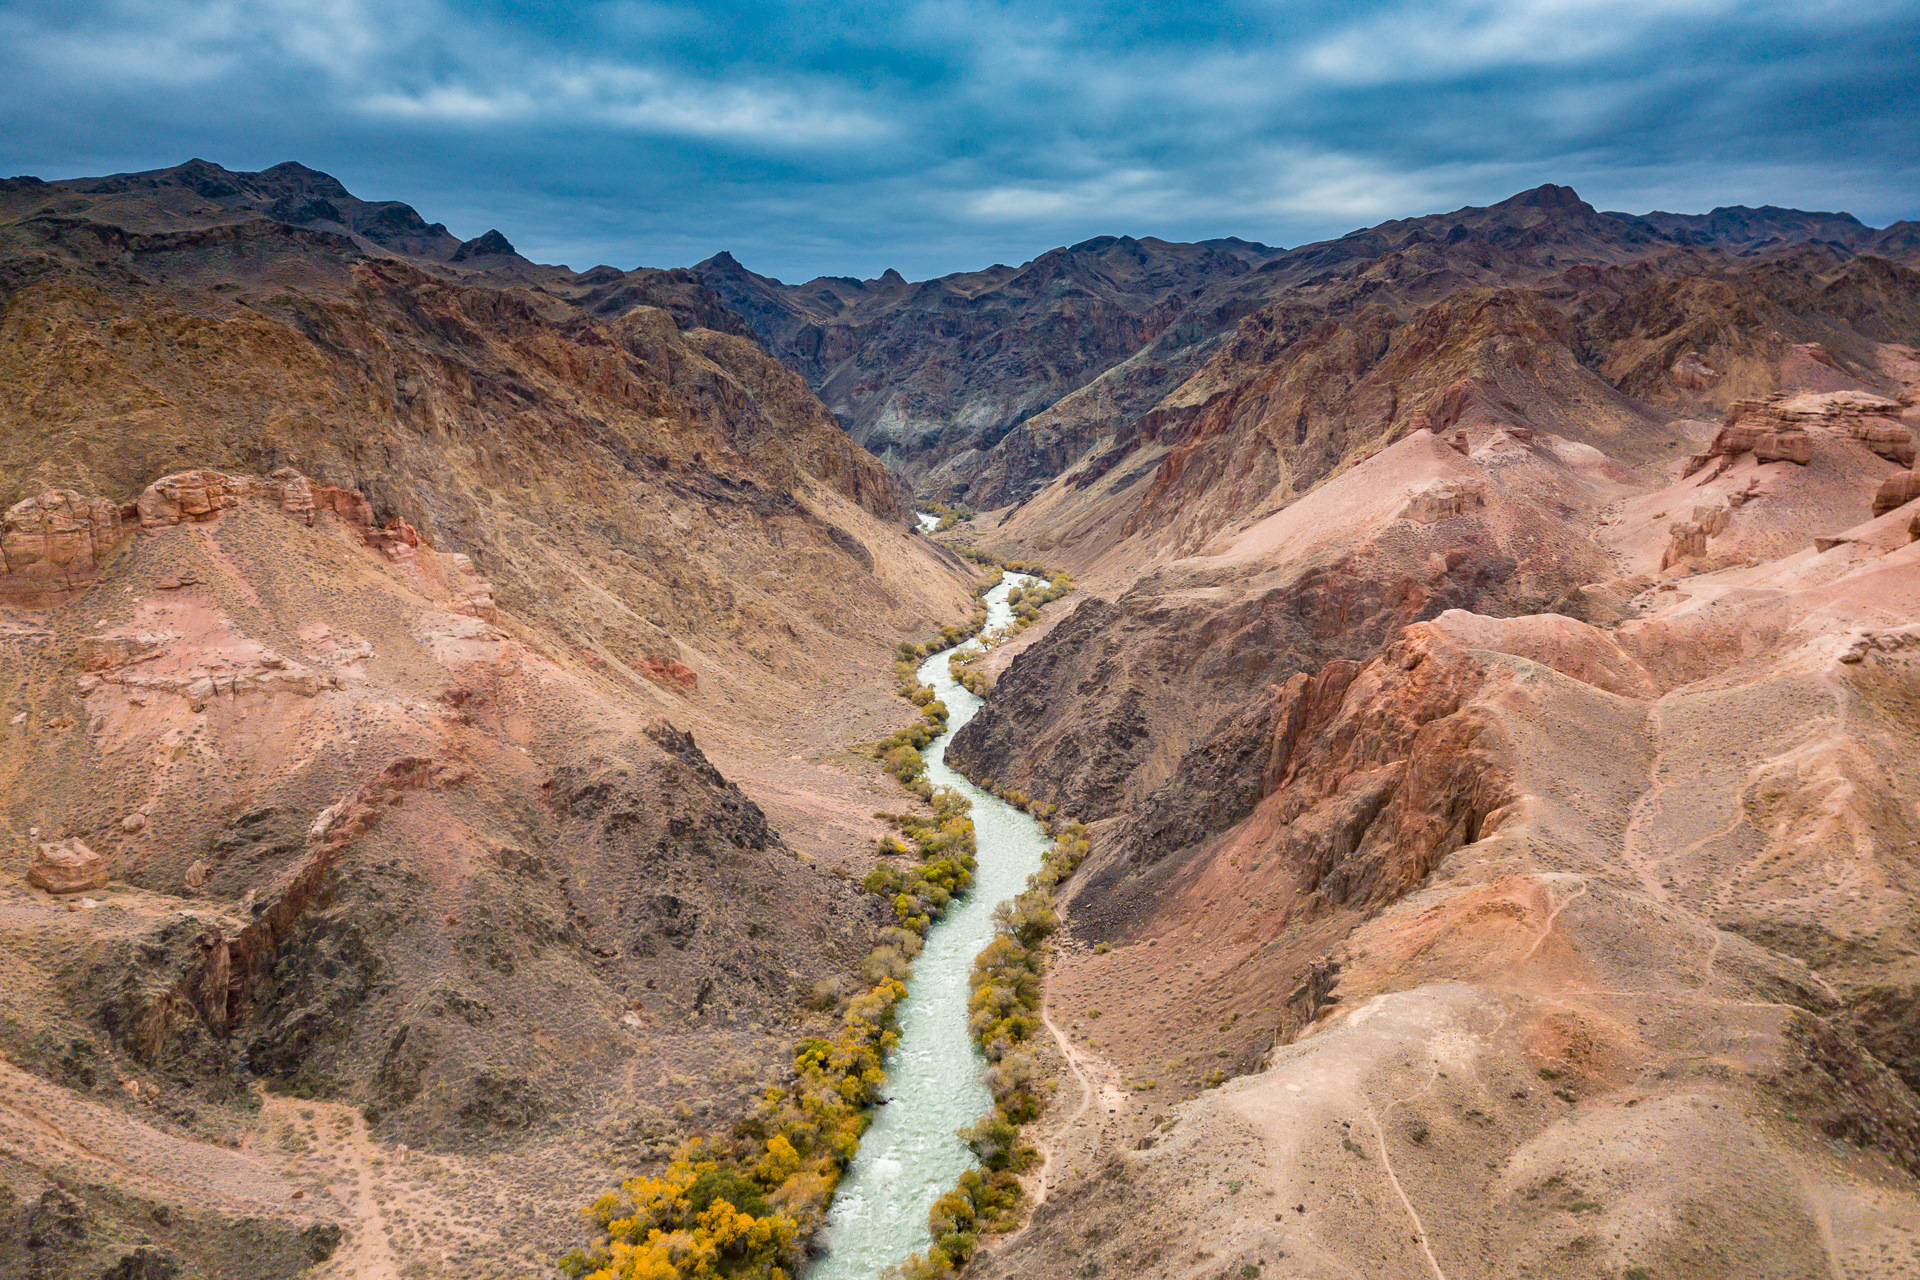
(436, 690)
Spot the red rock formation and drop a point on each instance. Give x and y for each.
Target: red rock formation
(1688, 538)
(673, 674)
(1896, 491)
(1781, 428)
(52, 547)
(1444, 500)
(1749, 429)
(188, 497)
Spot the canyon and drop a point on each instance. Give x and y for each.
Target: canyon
(440, 691)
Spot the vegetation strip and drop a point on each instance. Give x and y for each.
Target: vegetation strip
(743, 1206)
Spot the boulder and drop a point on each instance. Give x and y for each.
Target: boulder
(67, 866)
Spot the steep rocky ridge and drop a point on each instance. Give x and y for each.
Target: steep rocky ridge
(931, 376)
(1289, 457)
(1599, 356)
(633, 457)
(364, 600)
(367, 845)
(1514, 900)
(1097, 713)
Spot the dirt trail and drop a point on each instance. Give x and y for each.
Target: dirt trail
(337, 1135)
(412, 1214)
(1097, 1079)
(1634, 851)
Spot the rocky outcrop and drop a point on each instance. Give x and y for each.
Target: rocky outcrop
(189, 496)
(1687, 539)
(67, 866)
(192, 497)
(59, 542)
(198, 684)
(1219, 782)
(1896, 491)
(53, 546)
(675, 674)
(1364, 774)
(491, 244)
(1444, 500)
(1781, 428)
(1751, 428)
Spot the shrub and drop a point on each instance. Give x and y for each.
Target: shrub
(738, 1209)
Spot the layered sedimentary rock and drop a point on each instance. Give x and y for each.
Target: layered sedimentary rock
(53, 545)
(67, 866)
(1897, 491)
(1781, 428)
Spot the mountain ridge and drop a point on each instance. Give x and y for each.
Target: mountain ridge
(919, 371)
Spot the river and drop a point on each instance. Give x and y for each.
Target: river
(909, 1156)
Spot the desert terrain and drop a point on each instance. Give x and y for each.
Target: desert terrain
(438, 692)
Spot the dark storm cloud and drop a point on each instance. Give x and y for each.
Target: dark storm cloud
(940, 135)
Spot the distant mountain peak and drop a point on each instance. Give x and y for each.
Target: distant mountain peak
(488, 245)
(1547, 196)
(310, 180)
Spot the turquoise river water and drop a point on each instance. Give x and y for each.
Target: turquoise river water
(909, 1156)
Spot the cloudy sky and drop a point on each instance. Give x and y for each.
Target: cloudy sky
(938, 135)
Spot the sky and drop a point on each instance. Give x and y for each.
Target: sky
(941, 135)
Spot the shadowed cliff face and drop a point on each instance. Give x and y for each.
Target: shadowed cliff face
(1097, 713)
(1474, 918)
